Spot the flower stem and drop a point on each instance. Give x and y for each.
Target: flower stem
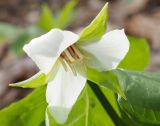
(106, 105)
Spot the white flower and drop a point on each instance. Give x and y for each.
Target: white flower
(60, 55)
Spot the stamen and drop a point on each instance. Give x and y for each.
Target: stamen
(80, 56)
(69, 57)
(73, 53)
(64, 64)
(73, 69)
(64, 57)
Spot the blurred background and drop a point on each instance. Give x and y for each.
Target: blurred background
(22, 20)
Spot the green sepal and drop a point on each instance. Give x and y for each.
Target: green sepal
(96, 28)
(35, 81)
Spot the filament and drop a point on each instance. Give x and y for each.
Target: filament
(70, 56)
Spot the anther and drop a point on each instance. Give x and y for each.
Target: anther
(77, 52)
(73, 53)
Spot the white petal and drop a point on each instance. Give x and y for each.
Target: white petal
(70, 39)
(62, 92)
(45, 49)
(108, 52)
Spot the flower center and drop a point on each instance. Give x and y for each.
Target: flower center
(71, 56)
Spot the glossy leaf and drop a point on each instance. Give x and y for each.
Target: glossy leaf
(145, 84)
(142, 90)
(138, 56)
(143, 116)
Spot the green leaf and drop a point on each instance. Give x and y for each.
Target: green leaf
(37, 80)
(96, 113)
(111, 97)
(128, 121)
(29, 111)
(105, 79)
(96, 28)
(46, 21)
(66, 15)
(138, 56)
(87, 112)
(143, 116)
(142, 90)
(145, 85)
(16, 47)
(8, 31)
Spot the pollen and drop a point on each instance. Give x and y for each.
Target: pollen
(69, 57)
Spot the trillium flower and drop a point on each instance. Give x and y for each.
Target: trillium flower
(64, 58)
(59, 55)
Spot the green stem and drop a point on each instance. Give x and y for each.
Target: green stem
(106, 105)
